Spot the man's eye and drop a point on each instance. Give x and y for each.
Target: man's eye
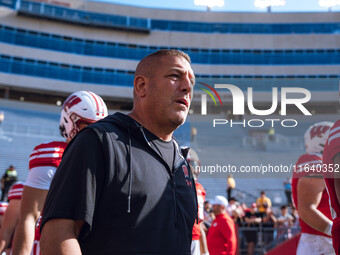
(174, 75)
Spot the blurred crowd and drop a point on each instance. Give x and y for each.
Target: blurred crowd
(257, 224)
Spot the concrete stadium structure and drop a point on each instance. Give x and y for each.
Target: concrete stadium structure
(51, 48)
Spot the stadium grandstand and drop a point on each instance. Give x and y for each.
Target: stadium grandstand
(51, 48)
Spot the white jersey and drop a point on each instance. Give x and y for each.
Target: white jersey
(44, 160)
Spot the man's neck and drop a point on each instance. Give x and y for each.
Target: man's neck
(220, 213)
(165, 135)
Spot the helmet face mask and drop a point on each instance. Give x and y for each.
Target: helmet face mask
(316, 136)
(80, 107)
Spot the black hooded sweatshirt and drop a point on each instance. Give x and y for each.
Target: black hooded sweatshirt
(113, 179)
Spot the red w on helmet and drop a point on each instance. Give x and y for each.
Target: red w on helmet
(80, 107)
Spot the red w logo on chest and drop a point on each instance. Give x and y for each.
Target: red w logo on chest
(185, 171)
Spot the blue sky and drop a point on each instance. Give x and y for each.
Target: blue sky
(230, 5)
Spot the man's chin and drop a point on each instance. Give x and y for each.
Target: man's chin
(179, 119)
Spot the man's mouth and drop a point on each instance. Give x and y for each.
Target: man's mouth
(183, 101)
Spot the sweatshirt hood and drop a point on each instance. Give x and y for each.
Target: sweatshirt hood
(121, 120)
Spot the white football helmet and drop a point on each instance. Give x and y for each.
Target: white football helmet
(316, 136)
(80, 107)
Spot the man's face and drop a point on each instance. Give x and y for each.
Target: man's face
(207, 207)
(169, 93)
(218, 209)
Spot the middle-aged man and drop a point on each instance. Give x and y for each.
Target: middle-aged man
(221, 236)
(124, 186)
(331, 161)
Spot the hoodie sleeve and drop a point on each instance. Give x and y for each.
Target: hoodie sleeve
(75, 186)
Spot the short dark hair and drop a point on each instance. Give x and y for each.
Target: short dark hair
(169, 52)
(284, 207)
(157, 54)
(263, 192)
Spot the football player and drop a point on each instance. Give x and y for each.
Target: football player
(331, 161)
(79, 110)
(3, 208)
(11, 216)
(310, 196)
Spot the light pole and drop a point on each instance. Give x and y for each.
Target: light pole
(269, 4)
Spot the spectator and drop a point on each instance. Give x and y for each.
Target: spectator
(288, 190)
(284, 222)
(207, 208)
(269, 217)
(252, 219)
(221, 235)
(285, 219)
(245, 207)
(7, 180)
(208, 215)
(235, 210)
(271, 134)
(269, 223)
(193, 134)
(231, 206)
(263, 202)
(238, 214)
(296, 224)
(231, 184)
(295, 215)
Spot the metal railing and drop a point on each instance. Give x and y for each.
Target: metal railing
(267, 236)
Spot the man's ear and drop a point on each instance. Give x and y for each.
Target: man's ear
(140, 83)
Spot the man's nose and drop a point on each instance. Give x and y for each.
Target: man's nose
(186, 83)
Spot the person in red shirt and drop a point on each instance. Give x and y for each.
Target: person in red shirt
(310, 196)
(331, 161)
(221, 236)
(199, 240)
